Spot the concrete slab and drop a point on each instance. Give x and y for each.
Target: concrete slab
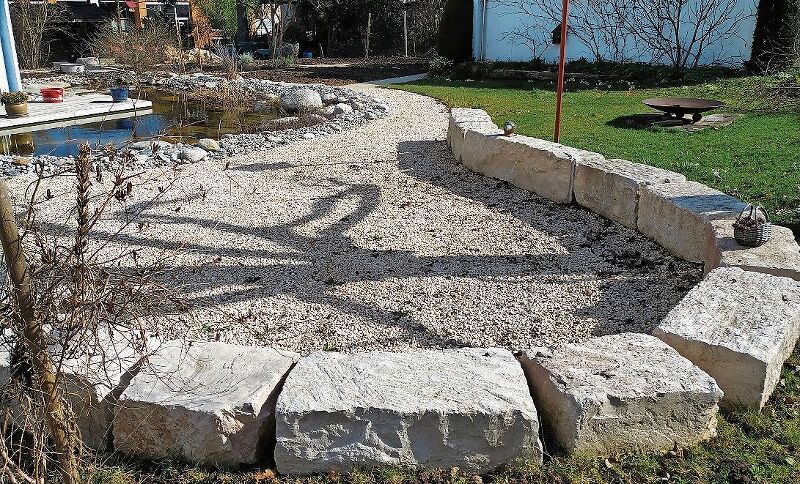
(621, 393)
(780, 256)
(75, 109)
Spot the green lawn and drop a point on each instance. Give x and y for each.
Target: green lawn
(756, 159)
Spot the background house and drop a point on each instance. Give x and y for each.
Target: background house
(617, 30)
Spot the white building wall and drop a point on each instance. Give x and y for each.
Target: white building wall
(501, 19)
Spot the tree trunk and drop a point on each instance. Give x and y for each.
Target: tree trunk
(35, 341)
(242, 27)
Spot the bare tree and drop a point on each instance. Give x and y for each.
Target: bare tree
(69, 290)
(33, 22)
(594, 23)
(677, 32)
(680, 31)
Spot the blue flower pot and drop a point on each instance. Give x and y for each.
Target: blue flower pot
(119, 94)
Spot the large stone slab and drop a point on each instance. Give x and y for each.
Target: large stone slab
(463, 119)
(678, 216)
(611, 187)
(780, 256)
(740, 327)
(95, 372)
(436, 409)
(211, 403)
(540, 166)
(621, 393)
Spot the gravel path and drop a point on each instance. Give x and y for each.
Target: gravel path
(376, 238)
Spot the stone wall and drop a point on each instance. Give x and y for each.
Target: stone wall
(479, 408)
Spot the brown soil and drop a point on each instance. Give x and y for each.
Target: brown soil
(338, 72)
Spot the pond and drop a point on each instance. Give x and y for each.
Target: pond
(175, 118)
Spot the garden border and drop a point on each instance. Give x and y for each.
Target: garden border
(723, 345)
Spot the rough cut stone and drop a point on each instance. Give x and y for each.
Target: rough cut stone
(436, 409)
(621, 393)
(677, 216)
(611, 187)
(203, 402)
(462, 119)
(739, 326)
(780, 256)
(543, 167)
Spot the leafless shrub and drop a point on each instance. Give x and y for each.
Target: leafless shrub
(135, 49)
(34, 23)
(68, 294)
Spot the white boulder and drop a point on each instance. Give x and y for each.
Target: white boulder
(342, 108)
(621, 393)
(431, 408)
(192, 154)
(208, 144)
(739, 326)
(302, 100)
(203, 402)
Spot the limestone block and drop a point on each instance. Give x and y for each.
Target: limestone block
(678, 216)
(211, 403)
(739, 326)
(544, 167)
(621, 393)
(780, 256)
(469, 408)
(611, 187)
(96, 370)
(462, 119)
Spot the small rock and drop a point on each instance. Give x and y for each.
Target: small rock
(208, 144)
(20, 161)
(309, 136)
(342, 108)
(329, 98)
(370, 115)
(192, 154)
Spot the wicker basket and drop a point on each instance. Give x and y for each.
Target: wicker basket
(752, 236)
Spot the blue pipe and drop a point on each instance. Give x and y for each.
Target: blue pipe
(9, 48)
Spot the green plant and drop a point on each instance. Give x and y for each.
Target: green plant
(440, 65)
(246, 61)
(455, 31)
(16, 97)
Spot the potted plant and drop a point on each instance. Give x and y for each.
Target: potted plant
(16, 103)
(119, 90)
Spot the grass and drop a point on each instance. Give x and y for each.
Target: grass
(757, 158)
(751, 447)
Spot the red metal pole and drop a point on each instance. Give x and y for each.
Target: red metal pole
(561, 69)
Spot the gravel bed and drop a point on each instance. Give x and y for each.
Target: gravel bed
(377, 238)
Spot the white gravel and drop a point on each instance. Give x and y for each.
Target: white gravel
(375, 238)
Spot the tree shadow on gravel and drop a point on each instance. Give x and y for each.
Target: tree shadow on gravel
(312, 267)
(627, 274)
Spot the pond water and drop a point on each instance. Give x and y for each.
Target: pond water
(174, 118)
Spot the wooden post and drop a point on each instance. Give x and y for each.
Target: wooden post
(35, 340)
(140, 13)
(366, 42)
(562, 60)
(405, 27)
